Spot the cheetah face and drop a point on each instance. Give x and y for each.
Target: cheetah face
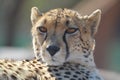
(62, 35)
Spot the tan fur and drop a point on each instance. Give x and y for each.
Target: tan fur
(69, 36)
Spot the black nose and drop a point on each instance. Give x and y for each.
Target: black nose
(53, 50)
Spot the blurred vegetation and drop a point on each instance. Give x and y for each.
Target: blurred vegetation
(15, 22)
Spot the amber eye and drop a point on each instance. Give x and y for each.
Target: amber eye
(42, 29)
(71, 30)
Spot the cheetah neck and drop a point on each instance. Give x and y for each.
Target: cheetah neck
(83, 60)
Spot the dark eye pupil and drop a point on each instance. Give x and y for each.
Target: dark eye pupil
(42, 29)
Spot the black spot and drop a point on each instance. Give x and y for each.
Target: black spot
(9, 65)
(13, 77)
(77, 72)
(40, 68)
(87, 74)
(86, 56)
(65, 76)
(51, 75)
(46, 78)
(68, 73)
(43, 73)
(84, 51)
(17, 72)
(83, 79)
(79, 79)
(60, 79)
(72, 79)
(57, 74)
(61, 68)
(49, 70)
(27, 60)
(20, 69)
(56, 70)
(86, 77)
(75, 76)
(34, 61)
(32, 65)
(5, 71)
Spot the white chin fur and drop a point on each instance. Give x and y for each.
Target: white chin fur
(53, 63)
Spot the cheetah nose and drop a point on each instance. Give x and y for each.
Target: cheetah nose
(53, 50)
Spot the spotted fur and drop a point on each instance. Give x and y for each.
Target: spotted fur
(35, 70)
(63, 43)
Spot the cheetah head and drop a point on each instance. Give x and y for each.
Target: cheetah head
(63, 35)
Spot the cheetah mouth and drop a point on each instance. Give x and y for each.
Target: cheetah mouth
(53, 62)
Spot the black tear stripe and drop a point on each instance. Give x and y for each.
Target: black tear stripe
(40, 58)
(44, 39)
(67, 48)
(80, 35)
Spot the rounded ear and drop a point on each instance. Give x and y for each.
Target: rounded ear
(35, 14)
(94, 20)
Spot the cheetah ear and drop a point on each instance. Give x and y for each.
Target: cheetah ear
(35, 14)
(93, 21)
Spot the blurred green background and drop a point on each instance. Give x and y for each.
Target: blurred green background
(15, 26)
(15, 22)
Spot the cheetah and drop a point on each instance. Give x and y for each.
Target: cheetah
(63, 43)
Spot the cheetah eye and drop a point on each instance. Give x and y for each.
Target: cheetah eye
(71, 30)
(42, 29)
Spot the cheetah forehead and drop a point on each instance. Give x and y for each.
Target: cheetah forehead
(58, 16)
(62, 13)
